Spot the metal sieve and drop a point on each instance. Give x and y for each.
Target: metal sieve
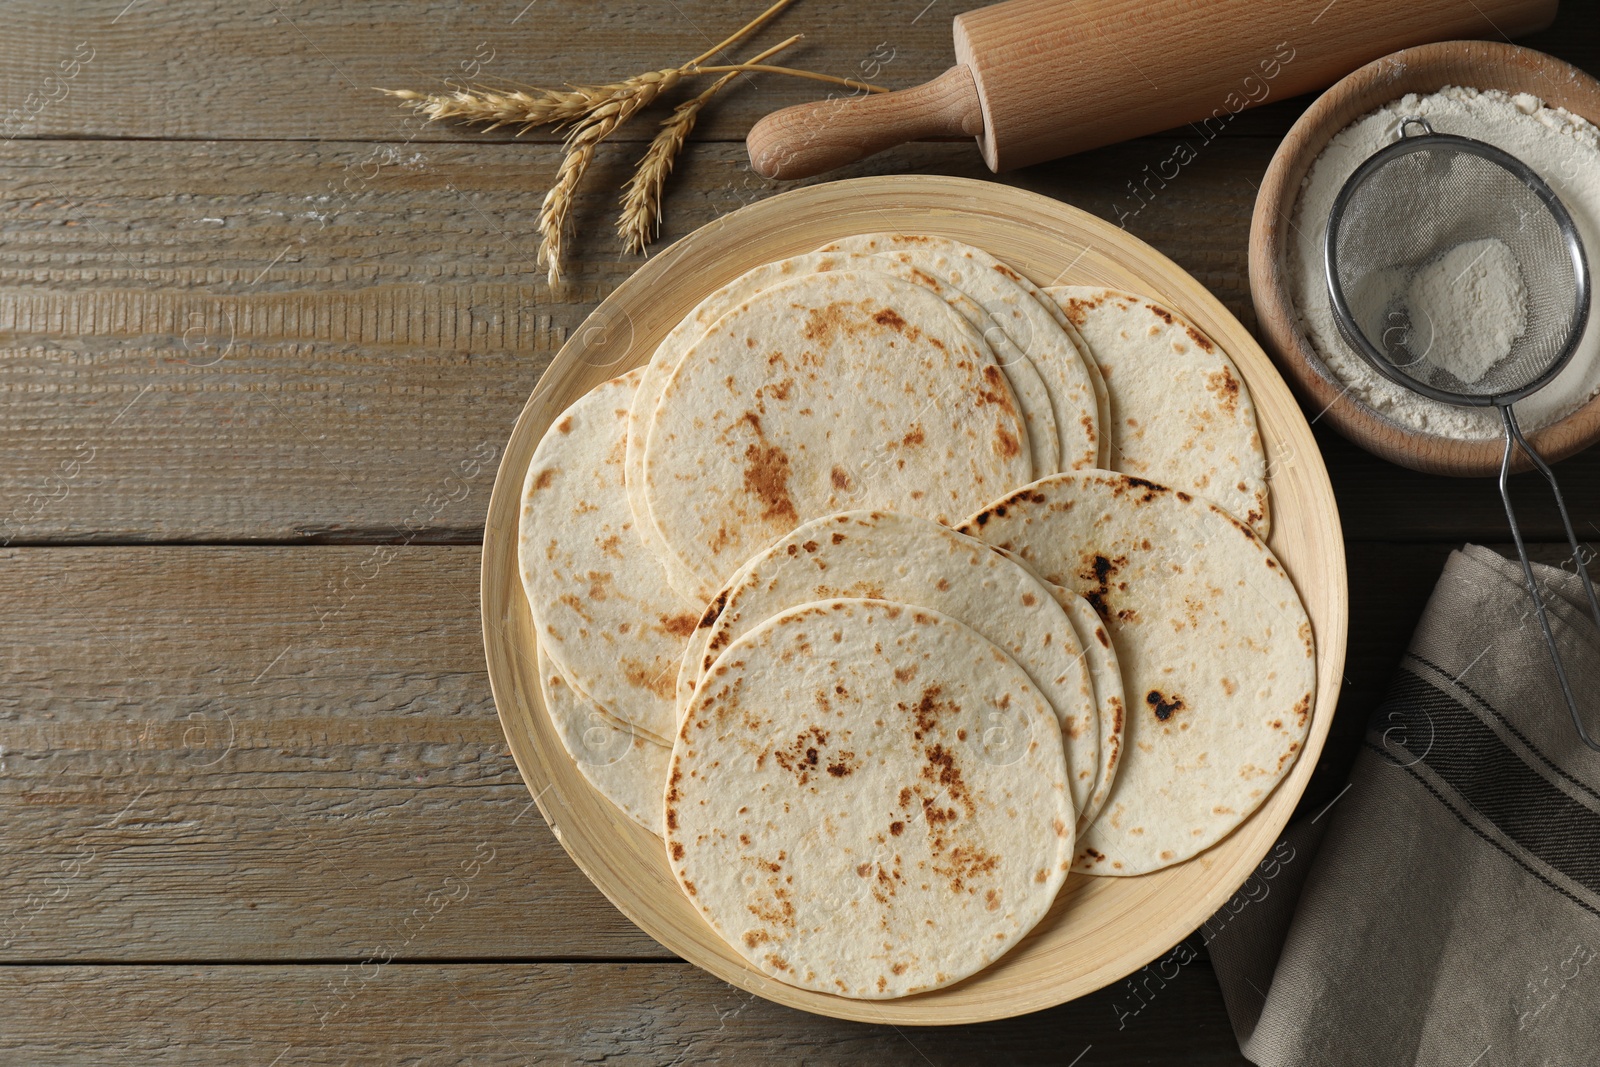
(1406, 208)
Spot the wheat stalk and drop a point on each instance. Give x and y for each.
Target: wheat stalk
(553, 212)
(792, 72)
(741, 33)
(538, 107)
(641, 198)
(579, 149)
(593, 113)
(534, 106)
(530, 108)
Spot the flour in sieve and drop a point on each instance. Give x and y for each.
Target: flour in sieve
(1467, 308)
(1562, 148)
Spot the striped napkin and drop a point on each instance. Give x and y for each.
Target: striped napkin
(1446, 908)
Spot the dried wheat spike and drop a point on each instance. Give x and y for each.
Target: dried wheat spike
(641, 200)
(580, 147)
(538, 107)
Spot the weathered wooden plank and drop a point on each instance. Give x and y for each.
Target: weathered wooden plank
(267, 753)
(276, 753)
(274, 314)
(248, 341)
(293, 69)
(218, 347)
(648, 1013)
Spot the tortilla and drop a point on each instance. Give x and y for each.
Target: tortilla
(868, 799)
(690, 665)
(1025, 315)
(627, 768)
(1214, 646)
(1101, 660)
(602, 607)
(1180, 412)
(1033, 397)
(1105, 677)
(882, 555)
(1102, 398)
(866, 391)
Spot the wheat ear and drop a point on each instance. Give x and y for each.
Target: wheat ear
(531, 107)
(527, 109)
(538, 107)
(641, 198)
(579, 153)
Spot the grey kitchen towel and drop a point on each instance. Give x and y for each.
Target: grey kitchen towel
(1445, 909)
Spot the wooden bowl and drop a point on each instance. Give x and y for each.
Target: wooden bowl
(1100, 929)
(1424, 69)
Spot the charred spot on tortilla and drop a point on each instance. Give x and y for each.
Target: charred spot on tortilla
(891, 318)
(1145, 484)
(1098, 569)
(766, 476)
(1164, 706)
(714, 609)
(822, 322)
(678, 625)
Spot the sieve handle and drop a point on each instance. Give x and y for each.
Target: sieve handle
(1513, 439)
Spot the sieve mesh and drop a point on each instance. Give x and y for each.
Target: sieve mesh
(1406, 209)
(1429, 203)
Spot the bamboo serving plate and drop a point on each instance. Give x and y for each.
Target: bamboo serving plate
(1424, 69)
(1099, 929)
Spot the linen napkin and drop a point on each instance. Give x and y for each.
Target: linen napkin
(1445, 909)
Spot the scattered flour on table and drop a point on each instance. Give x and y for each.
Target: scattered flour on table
(1490, 305)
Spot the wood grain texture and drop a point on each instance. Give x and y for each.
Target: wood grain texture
(294, 70)
(552, 1013)
(268, 753)
(313, 346)
(1425, 69)
(811, 138)
(318, 342)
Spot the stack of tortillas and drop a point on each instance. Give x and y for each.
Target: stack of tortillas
(894, 588)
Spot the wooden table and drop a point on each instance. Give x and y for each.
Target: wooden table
(263, 338)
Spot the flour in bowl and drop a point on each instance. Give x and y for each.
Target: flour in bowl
(1474, 300)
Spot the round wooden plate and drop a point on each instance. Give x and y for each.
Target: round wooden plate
(1100, 929)
(1423, 69)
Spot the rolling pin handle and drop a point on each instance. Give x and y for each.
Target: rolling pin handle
(808, 139)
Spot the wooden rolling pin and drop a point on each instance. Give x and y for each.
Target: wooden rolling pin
(1037, 79)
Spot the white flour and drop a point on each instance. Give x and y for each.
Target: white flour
(1467, 307)
(1564, 150)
